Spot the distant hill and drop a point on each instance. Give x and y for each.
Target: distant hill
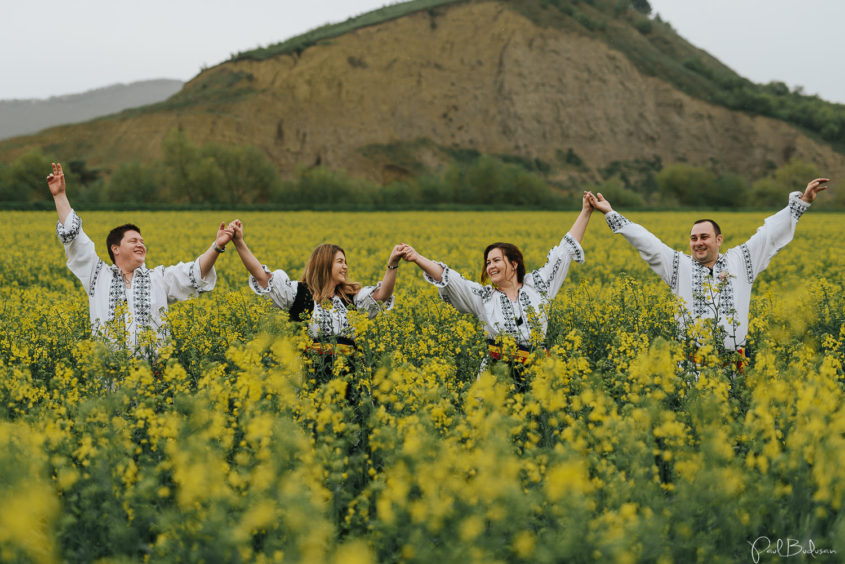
(21, 117)
(581, 90)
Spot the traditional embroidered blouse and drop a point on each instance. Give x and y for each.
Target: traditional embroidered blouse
(498, 314)
(726, 288)
(151, 290)
(324, 322)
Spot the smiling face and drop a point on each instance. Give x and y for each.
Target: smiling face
(704, 243)
(339, 268)
(499, 269)
(131, 253)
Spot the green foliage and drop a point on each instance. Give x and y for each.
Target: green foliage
(216, 173)
(615, 191)
(25, 177)
(771, 191)
(483, 181)
(134, 183)
(696, 186)
(642, 6)
(301, 42)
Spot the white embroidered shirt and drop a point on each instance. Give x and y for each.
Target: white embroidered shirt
(325, 322)
(732, 275)
(497, 313)
(151, 290)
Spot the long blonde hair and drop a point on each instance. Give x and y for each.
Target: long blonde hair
(318, 275)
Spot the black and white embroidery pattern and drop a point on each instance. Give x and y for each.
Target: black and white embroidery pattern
(719, 298)
(193, 278)
(539, 283)
(552, 275)
(97, 270)
(485, 293)
(68, 234)
(508, 314)
(527, 310)
(117, 293)
(749, 268)
(143, 299)
(676, 265)
(576, 252)
(796, 209)
(616, 221)
(324, 321)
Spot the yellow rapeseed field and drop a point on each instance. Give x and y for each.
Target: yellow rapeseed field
(629, 445)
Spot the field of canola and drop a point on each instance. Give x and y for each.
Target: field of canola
(223, 448)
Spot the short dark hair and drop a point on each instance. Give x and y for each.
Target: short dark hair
(716, 227)
(512, 253)
(116, 236)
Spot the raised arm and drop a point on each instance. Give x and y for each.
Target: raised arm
(250, 262)
(778, 230)
(385, 290)
(433, 269)
(209, 257)
(56, 183)
(661, 258)
(580, 226)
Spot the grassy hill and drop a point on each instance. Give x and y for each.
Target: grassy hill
(575, 92)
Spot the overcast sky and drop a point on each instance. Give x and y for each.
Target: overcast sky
(53, 47)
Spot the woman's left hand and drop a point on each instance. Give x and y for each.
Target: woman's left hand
(397, 253)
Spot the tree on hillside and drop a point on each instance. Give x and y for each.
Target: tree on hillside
(642, 6)
(685, 184)
(25, 177)
(771, 192)
(247, 175)
(135, 183)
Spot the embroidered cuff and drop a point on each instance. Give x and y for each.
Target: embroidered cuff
(797, 206)
(198, 283)
(68, 233)
(256, 287)
(365, 300)
(616, 221)
(444, 278)
(574, 247)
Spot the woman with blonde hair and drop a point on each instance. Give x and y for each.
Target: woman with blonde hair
(324, 296)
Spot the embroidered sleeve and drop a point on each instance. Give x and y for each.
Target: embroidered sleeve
(184, 280)
(616, 221)
(280, 290)
(661, 258)
(775, 233)
(82, 257)
(67, 233)
(258, 288)
(549, 278)
(364, 301)
(462, 294)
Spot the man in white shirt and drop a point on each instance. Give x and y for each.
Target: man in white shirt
(146, 292)
(714, 285)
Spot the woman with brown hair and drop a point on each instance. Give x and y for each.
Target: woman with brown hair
(515, 303)
(324, 295)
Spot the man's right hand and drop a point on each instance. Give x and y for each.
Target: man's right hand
(56, 180)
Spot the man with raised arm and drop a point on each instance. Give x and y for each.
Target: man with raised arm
(715, 285)
(145, 292)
